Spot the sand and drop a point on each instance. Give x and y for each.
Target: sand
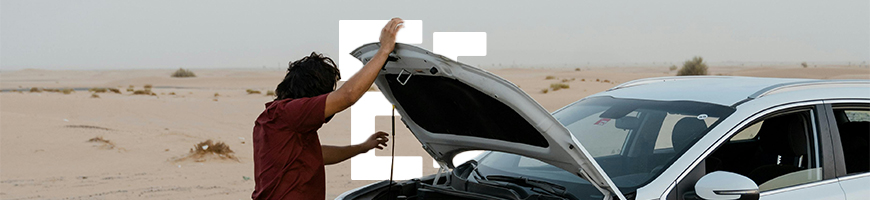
(45, 153)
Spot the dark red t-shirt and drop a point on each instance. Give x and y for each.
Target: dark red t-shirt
(288, 163)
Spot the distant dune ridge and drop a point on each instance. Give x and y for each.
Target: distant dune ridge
(189, 145)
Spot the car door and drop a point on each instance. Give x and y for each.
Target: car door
(825, 185)
(768, 152)
(850, 128)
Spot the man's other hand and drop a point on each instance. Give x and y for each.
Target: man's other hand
(377, 140)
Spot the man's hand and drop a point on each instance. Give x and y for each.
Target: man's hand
(359, 83)
(336, 154)
(377, 140)
(388, 34)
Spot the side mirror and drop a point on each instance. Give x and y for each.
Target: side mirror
(726, 185)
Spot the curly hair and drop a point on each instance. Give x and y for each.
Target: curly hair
(310, 76)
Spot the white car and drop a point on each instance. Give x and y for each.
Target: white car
(694, 137)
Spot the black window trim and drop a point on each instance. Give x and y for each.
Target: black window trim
(839, 159)
(830, 167)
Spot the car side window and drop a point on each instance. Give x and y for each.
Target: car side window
(748, 133)
(853, 124)
(664, 139)
(776, 152)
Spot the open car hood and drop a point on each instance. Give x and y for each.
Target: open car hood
(453, 107)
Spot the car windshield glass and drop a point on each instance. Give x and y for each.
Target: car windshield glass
(632, 140)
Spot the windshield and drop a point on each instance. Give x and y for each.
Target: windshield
(632, 140)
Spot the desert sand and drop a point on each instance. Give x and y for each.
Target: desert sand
(45, 151)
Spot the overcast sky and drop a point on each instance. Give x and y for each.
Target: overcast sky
(251, 34)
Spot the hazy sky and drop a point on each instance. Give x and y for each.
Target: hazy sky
(229, 34)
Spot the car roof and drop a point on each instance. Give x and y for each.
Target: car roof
(722, 90)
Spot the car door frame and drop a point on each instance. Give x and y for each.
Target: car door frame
(823, 139)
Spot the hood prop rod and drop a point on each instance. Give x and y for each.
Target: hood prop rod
(393, 148)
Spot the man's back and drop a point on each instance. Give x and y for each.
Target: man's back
(288, 163)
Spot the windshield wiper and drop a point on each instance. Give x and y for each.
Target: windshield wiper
(549, 187)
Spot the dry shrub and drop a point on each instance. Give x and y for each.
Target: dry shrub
(545, 90)
(270, 93)
(204, 150)
(183, 73)
(558, 86)
(549, 77)
(672, 68)
(66, 90)
(129, 89)
(94, 95)
(142, 92)
(577, 69)
(565, 80)
(695, 66)
(216, 94)
(804, 64)
(171, 93)
(98, 90)
(597, 80)
(103, 143)
(250, 91)
(583, 79)
(606, 81)
(115, 90)
(148, 86)
(35, 89)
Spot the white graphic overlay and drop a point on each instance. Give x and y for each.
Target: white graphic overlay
(355, 33)
(367, 166)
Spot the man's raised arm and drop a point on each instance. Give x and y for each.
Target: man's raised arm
(353, 89)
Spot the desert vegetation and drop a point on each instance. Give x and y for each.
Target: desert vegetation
(252, 91)
(208, 149)
(559, 86)
(549, 78)
(183, 73)
(102, 143)
(98, 90)
(695, 66)
(270, 93)
(804, 64)
(672, 68)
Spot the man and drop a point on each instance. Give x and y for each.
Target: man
(288, 158)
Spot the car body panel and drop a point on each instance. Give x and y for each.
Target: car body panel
(479, 99)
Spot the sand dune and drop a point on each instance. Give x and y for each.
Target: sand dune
(45, 153)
